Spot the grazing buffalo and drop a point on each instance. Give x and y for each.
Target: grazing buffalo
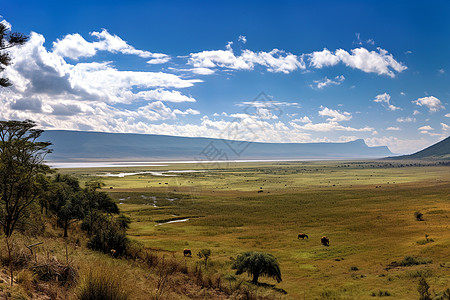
(325, 241)
(187, 252)
(302, 236)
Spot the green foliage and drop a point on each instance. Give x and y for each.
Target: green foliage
(205, 254)
(123, 222)
(8, 39)
(101, 286)
(413, 261)
(257, 264)
(107, 235)
(21, 157)
(66, 200)
(423, 289)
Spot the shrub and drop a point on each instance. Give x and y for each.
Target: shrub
(418, 215)
(423, 289)
(381, 293)
(107, 235)
(101, 286)
(205, 254)
(354, 268)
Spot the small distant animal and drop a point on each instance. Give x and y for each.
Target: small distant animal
(260, 191)
(325, 241)
(187, 252)
(302, 236)
(113, 252)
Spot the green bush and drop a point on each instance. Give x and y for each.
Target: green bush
(101, 286)
(107, 235)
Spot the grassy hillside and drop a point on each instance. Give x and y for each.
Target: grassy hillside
(438, 151)
(366, 209)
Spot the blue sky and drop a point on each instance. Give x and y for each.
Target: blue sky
(329, 70)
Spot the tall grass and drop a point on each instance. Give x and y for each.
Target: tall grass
(102, 285)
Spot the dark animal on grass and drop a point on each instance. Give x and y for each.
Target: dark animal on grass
(302, 236)
(187, 252)
(325, 241)
(113, 253)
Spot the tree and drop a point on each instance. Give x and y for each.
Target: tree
(66, 201)
(21, 163)
(257, 264)
(205, 254)
(8, 40)
(96, 204)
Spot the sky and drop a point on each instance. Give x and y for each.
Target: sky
(267, 71)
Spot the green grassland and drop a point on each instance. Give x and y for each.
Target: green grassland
(365, 208)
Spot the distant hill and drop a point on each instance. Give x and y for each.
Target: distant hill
(94, 146)
(438, 151)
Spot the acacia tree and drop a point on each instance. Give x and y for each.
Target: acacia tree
(66, 201)
(257, 264)
(8, 40)
(21, 163)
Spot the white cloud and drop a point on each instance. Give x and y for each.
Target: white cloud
(384, 99)
(6, 24)
(416, 112)
(334, 115)
(406, 120)
(84, 96)
(74, 46)
(330, 126)
(392, 128)
(441, 71)
(381, 62)
(242, 39)
(397, 145)
(426, 127)
(445, 127)
(274, 61)
(320, 84)
(431, 102)
(304, 119)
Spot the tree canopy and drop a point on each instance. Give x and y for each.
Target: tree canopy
(21, 164)
(257, 264)
(8, 40)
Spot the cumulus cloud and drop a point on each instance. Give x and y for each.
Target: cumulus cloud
(242, 39)
(320, 84)
(392, 128)
(381, 62)
(304, 119)
(432, 103)
(84, 96)
(384, 99)
(334, 115)
(274, 61)
(426, 127)
(74, 46)
(406, 120)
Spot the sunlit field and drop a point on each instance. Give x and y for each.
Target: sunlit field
(366, 209)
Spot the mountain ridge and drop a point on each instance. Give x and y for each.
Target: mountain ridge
(87, 145)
